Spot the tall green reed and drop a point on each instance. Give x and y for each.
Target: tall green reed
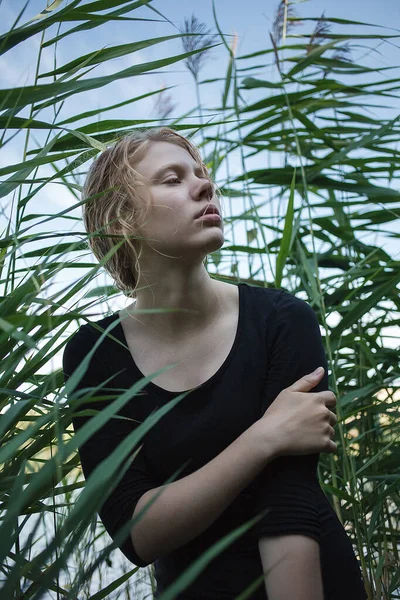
(332, 160)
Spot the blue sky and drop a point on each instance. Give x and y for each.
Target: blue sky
(251, 21)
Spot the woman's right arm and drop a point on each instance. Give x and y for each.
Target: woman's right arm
(187, 507)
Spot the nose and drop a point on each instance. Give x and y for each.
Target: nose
(203, 188)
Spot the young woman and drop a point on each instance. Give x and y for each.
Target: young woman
(246, 437)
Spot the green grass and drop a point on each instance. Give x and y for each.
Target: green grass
(307, 162)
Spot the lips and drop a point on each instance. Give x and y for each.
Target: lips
(210, 209)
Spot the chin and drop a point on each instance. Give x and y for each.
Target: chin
(200, 252)
(214, 245)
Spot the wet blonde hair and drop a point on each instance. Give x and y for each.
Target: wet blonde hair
(118, 201)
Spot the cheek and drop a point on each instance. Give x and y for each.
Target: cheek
(171, 206)
(166, 199)
(163, 222)
(168, 213)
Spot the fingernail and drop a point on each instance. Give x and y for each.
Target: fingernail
(318, 371)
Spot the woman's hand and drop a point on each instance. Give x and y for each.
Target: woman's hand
(298, 421)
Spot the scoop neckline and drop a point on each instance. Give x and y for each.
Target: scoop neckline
(162, 391)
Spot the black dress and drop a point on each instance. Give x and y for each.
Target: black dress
(277, 341)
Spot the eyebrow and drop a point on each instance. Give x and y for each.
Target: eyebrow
(173, 166)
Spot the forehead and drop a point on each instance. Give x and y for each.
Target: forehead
(160, 154)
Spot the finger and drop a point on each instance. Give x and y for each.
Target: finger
(332, 418)
(330, 399)
(332, 447)
(306, 383)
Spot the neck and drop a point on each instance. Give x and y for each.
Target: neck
(197, 300)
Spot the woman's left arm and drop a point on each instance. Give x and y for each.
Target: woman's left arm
(288, 536)
(291, 566)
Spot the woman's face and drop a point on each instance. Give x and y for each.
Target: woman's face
(179, 192)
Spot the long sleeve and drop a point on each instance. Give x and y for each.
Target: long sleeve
(119, 506)
(289, 484)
